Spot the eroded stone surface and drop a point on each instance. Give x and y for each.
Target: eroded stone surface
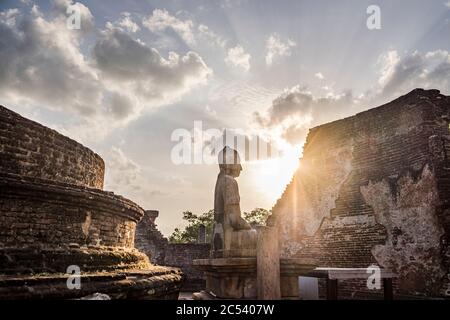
(413, 230)
(375, 188)
(54, 217)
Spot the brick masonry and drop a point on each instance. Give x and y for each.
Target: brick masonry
(54, 214)
(52, 204)
(150, 241)
(37, 211)
(374, 188)
(29, 149)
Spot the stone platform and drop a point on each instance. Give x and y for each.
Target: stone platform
(54, 216)
(152, 283)
(236, 278)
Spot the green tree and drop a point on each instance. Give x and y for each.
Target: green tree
(257, 216)
(190, 232)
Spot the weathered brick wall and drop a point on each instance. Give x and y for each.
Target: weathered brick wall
(33, 212)
(181, 255)
(374, 188)
(54, 215)
(51, 201)
(30, 149)
(149, 240)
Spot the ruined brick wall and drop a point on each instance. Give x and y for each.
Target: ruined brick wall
(30, 149)
(148, 239)
(181, 255)
(51, 201)
(374, 188)
(52, 214)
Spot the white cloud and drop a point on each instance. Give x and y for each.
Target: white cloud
(447, 4)
(43, 64)
(319, 76)
(130, 63)
(9, 17)
(276, 48)
(229, 4)
(160, 20)
(189, 31)
(211, 112)
(388, 62)
(238, 57)
(294, 111)
(60, 7)
(136, 181)
(127, 23)
(210, 35)
(121, 171)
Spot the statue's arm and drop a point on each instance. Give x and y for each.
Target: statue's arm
(234, 216)
(232, 206)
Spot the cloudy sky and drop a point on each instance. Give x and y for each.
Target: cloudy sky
(135, 71)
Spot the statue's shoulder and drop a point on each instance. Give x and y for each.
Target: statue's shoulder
(231, 190)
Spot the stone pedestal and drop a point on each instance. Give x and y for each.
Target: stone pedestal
(240, 244)
(229, 278)
(268, 264)
(236, 278)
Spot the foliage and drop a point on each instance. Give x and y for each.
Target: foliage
(189, 234)
(257, 216)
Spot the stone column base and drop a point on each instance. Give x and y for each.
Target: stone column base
(235, 278)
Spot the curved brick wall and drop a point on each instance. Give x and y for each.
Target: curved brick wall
(54, 215)
(30, 149)
(53, 212)
(34, 211)
(41, 220)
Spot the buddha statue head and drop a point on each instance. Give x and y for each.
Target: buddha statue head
(229, 162)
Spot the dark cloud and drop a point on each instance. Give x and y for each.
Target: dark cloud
(44, 63)
(401, 74)
(296, 110)
(37, 65)
(120, 105)
(297, 104)
(290, 103)
(121, 57)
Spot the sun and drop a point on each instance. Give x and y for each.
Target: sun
(270, 177)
